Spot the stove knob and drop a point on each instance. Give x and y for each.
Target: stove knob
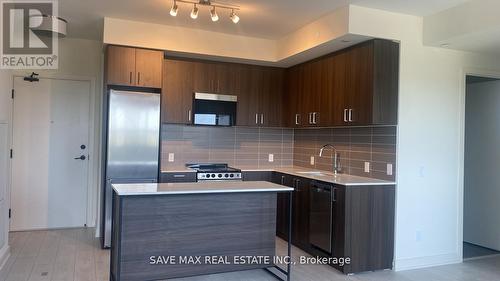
(226, 175)
(231, 175)
(219, 175)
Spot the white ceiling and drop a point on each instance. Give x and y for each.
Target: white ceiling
(259, 18)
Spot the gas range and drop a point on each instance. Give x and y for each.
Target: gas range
(215, 172)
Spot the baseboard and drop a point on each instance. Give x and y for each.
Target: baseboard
(4, 255)
(428, 261)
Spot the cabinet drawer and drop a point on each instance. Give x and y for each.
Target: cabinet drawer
(178, 177)
(257, 176)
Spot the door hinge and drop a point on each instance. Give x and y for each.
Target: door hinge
(12, 93)
(10, 213)
(11, 153)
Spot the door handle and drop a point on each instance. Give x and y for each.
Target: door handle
(350, 115)
(82, 157)
(345, 115)
(297, 119)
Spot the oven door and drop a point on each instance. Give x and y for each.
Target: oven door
(214, 110)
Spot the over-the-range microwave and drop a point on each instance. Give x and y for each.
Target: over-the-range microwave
(214, 109)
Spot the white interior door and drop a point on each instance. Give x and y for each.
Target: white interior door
(50, 130)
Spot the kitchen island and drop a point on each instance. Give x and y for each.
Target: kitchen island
(171, 230)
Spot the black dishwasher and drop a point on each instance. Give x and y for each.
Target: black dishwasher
(320, 216)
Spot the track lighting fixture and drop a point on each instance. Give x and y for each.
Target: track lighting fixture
(207, 3)
(213, 14)
(194, 12)
(174, 9)
(234, 17)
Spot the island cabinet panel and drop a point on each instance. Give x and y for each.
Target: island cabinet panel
(223, 224)
(127, 66)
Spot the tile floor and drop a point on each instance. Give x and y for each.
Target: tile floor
(74, 254)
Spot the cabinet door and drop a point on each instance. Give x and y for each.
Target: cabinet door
(360, 84)
(338, 221)
(271, 96)
(293, 97)
(300, 223)
(148, 68)
(205, 77)
(120, 66)
(337, 86)
(177, 91)
(283, 204)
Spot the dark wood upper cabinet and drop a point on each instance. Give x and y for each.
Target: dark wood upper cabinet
(126, 66)
(148, 66)
(355, 86)
(177, 91)
(120, 65)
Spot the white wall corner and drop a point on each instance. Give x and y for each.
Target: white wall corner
(4, 255)
(428, 261)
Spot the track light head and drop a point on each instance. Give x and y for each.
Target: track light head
(194, 12)
(234, 17)
(174, 9)
(213, 14)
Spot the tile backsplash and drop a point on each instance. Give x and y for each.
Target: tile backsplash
(243, 147)
(356, 145)
(238, 146)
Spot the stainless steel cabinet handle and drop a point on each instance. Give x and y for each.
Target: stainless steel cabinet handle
(189, 115)
(256, 118)
(345, 115)
(315, 119)
(282, 180)
(262, 118)
(310, 118)
(350, 115)
(297, 122)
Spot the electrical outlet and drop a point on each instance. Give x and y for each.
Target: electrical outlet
(367, 167)
(171, 157)
(389, 169)
(271, 157)
(312, 160)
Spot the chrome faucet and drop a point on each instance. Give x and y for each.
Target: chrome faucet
(336, 158)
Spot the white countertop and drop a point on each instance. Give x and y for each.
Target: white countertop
(198, 188)
(341, 179)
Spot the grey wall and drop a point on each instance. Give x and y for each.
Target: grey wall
(482, 165)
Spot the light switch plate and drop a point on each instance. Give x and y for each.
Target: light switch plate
(367, 167)
(171, 157)
(271, 157)
(389, 169)
(312, 160)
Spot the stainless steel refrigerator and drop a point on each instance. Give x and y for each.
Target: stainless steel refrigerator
(132, 145)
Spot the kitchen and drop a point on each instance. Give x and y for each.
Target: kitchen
(215, 153)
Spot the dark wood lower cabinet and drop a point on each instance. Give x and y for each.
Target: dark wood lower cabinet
(362, 223)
